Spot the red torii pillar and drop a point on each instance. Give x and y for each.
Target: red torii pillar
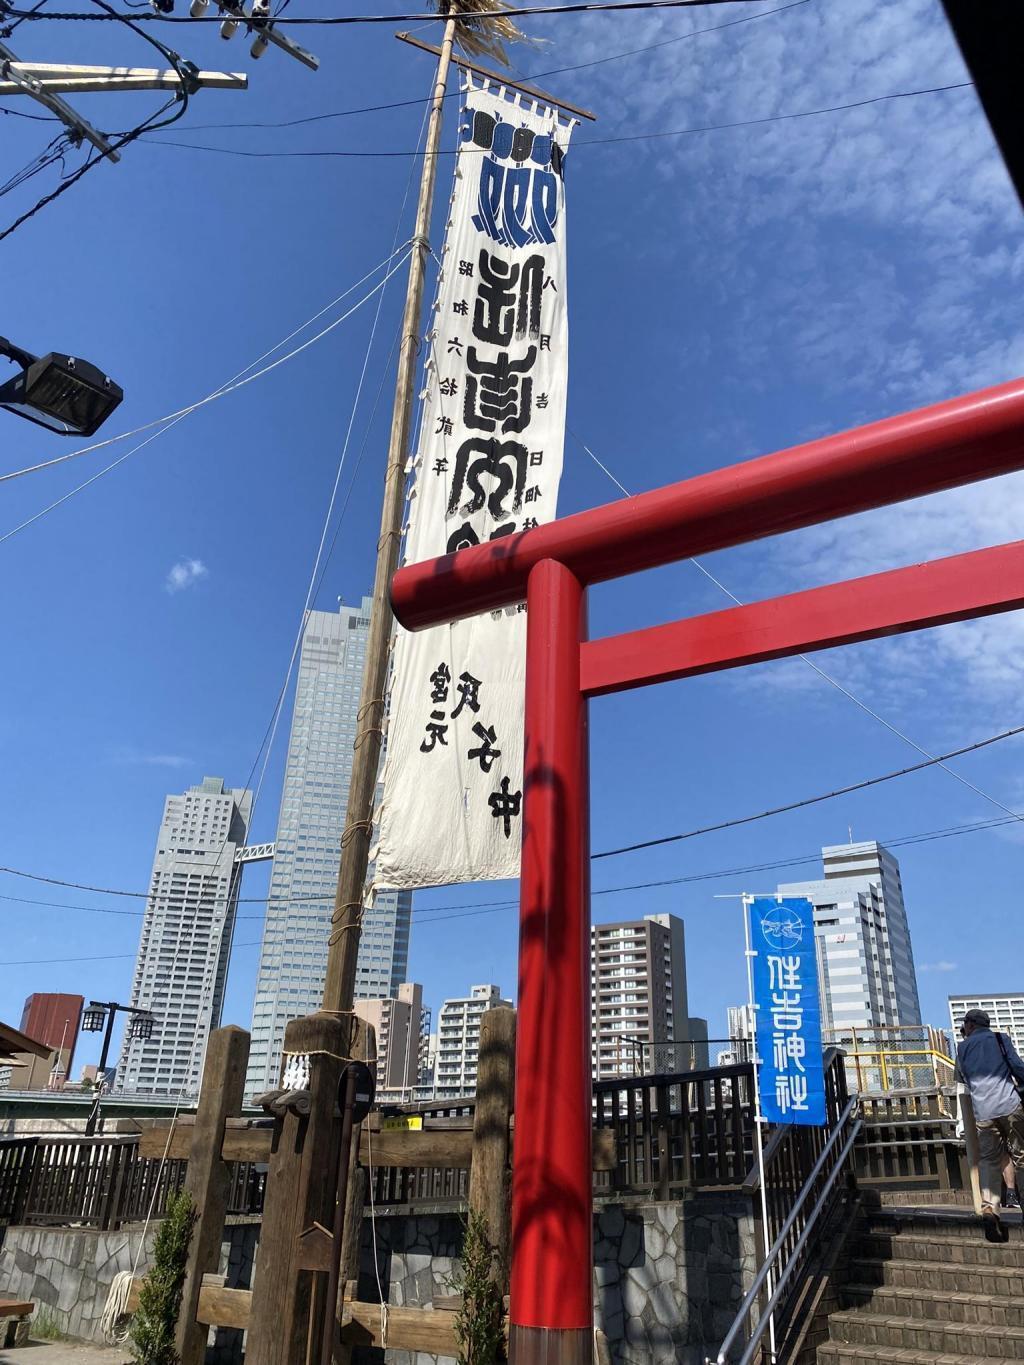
(953, 443)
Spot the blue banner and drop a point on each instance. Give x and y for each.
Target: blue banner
(787, 1009)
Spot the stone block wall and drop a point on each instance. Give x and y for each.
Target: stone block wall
(668, 1277)
(67, 1272)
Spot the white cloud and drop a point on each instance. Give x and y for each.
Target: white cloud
(129, 754)
(185, 574)
(938, 966)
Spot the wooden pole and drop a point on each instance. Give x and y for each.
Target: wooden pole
(300, 1192)
(208, 1180)
(489, 1185)
(343, 948)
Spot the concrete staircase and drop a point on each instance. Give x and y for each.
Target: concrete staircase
(923, 1287)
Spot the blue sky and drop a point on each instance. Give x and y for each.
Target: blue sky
(731, 293)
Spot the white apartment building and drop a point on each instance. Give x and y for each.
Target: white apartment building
(638, 1000)
(1005, 1011)
(185, 943)
(458, 1041)
(865, 959)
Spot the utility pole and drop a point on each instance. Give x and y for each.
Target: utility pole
(346, 921)
(45, 82)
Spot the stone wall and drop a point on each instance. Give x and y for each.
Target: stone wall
(668, 1278)
(67, 1273)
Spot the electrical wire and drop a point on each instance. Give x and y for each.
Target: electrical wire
(536, 76)
(304, 154)
(471, 909)
(149, 125)
(223, 389)
(827, 677)
(231, 388)
(419, 17)
(181, 97)
(615, 852)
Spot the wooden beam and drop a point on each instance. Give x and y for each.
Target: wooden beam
(220, 1307)
(980, 583)
(499, 79)
(450, 1145)
(208, 1180)
(409, 1329)
(444, 1149)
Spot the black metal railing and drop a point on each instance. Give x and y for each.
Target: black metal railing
(808, 1175)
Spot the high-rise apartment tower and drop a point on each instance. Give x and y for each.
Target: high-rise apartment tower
(638, 1000)
(293, 958)
(865, 961)
(182, 965)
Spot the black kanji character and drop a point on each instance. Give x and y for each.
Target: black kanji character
(466, 268)
(469, 694)
(497, 312)
(536, 457)
(461, 308)
(545, 341)
(542, 400)
(487, 753)
(490, 471)
(436, 733)
(439, 680)
(529, 523)
(444, 426)
(502, 394)
(440, 465)
(505, 805)
(448, 387)
(549, 283)
(455, 345)
(532, 494)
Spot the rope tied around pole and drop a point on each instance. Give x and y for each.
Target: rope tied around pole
(366, 826)
(360, 740)
(373, 701)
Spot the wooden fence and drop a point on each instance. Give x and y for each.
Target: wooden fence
(100, 1182)
(909, 1142)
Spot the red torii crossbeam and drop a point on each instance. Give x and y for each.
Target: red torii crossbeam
(953, 443)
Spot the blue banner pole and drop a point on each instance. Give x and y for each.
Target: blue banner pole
(750, 954)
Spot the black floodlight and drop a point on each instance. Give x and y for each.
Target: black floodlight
(59, 392)
(94, 1018)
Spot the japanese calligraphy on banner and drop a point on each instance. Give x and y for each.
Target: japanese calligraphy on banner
(488, 464)
(788, 1010)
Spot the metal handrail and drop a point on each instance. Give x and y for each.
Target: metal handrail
(776, 1247)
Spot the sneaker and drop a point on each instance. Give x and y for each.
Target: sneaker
(995, 1231)
(1011, 1201)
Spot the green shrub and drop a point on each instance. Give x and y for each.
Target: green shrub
(45, 1326)
(152, 1329)
(480, 1322)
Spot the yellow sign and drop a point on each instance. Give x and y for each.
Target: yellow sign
(402, 1123)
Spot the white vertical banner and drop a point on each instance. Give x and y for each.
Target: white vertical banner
(488, 465)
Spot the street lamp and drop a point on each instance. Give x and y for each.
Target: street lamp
(58, 392)
(100, 1013)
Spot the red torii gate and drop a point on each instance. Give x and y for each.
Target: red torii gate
(955, 442)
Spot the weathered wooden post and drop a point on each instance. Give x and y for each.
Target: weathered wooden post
(489, 1181)
(300, 1192)
(208, 1178)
